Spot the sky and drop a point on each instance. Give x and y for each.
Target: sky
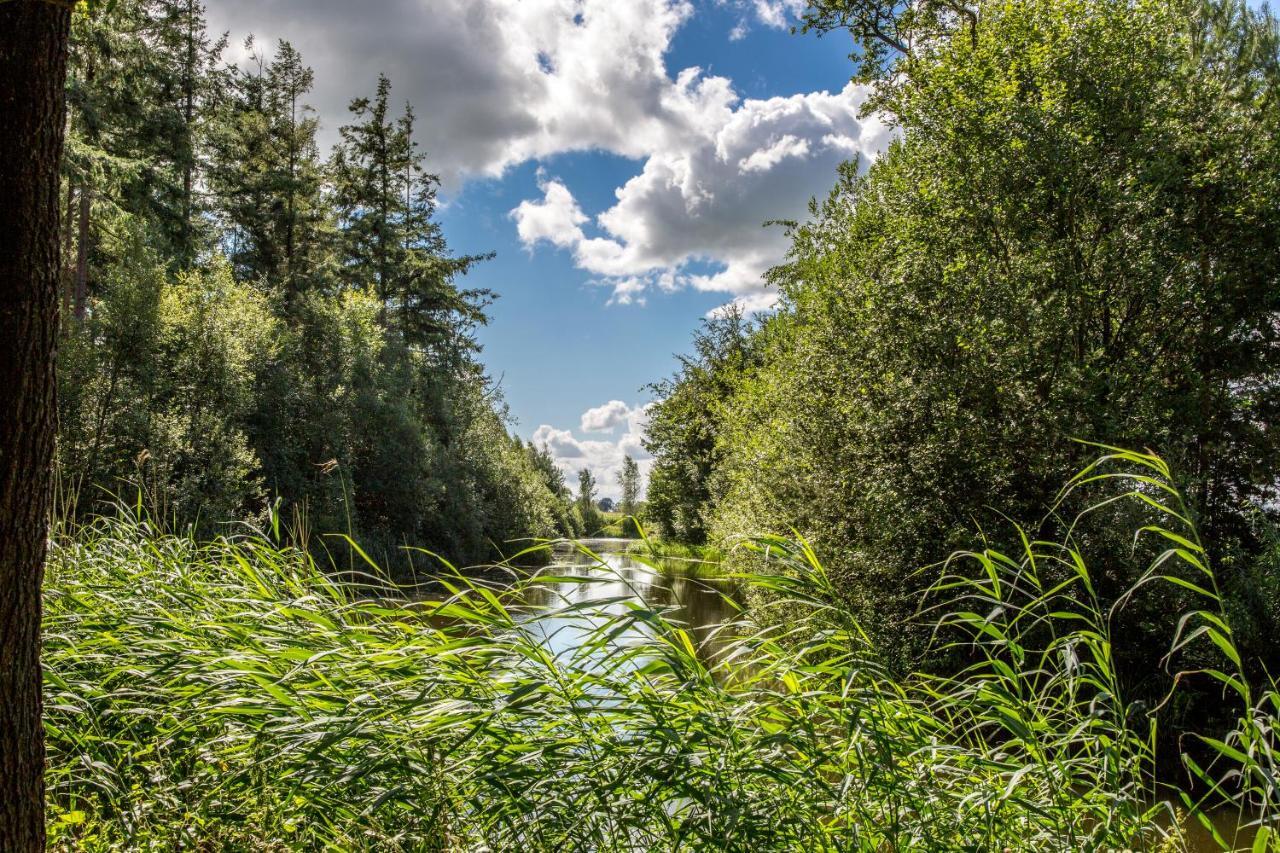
(620, 157)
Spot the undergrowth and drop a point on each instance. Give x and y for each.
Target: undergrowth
(228, 695)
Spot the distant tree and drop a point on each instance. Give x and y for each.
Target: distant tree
(591, 522)
(586, 488)
(605, 504)
(33, 62)
(546, 465)
(553, 479)
(685, 421)
(629, 480)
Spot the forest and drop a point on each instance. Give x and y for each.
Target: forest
(971, 542)
(249, 322)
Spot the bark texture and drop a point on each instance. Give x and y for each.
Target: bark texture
(33, 54)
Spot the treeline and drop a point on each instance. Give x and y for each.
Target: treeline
(250, 323)
(1076, 235)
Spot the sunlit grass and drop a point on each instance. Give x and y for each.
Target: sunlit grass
(228, 695)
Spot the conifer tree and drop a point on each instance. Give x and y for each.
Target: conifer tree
(267, 176)
(391, 241)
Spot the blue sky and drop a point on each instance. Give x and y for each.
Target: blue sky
(619, 156)
(557, 344)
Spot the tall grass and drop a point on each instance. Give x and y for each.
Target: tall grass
(228, 695)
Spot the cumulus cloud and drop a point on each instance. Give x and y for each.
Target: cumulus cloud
(604, 458)
(702, 200)
(605, 418)
(496, 83)
(556, 219)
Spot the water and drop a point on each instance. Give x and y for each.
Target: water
(700, 605)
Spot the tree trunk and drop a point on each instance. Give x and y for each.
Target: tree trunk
(82, 255)
(68, 250)
(188, 116)
(33, 56)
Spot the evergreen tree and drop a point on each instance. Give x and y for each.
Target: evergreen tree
(267, 175)
(186, 77)
(141, 81)
(33, 61)
(391, 242)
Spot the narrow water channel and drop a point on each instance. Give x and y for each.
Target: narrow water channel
(603, 571)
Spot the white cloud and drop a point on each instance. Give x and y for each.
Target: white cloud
(764, 159)
(776, 14)
(556, 219)
(605, 418)
(495, 82)
(702, 198)
(501, 82)
(604, 458)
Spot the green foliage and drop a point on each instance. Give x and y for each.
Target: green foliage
(162, 377)
(1076, 236)
(390, 241)
(142, 81)
(553, 479)
(228, 695)
(267, 173)
(587, 517)
(684, 426)
(251, 323)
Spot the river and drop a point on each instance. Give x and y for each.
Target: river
(609, 573)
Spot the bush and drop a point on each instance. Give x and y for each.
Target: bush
(1072, 238)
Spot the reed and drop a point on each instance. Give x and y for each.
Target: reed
(231, 695)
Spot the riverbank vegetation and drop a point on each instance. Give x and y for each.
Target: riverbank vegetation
(231, 690)
(250, 321)
(1076, 235)
(1073, 244)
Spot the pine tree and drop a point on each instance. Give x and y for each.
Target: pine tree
(184, 76)
(266, 175)
(141, 79)
(33, 59)
(302, 210)
(391, 241)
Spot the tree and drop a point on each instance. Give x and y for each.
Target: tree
(588, 514)
(267, 176)
(386, 203)
(1076, 236)
(33, 58)
(586, 488)
(142, 77)
(553, 479)
(686, 420)
(886, 32)
(629, 480)
(183, 64)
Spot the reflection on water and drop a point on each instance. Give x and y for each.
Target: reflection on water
(613, 580)
(1232, 826)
